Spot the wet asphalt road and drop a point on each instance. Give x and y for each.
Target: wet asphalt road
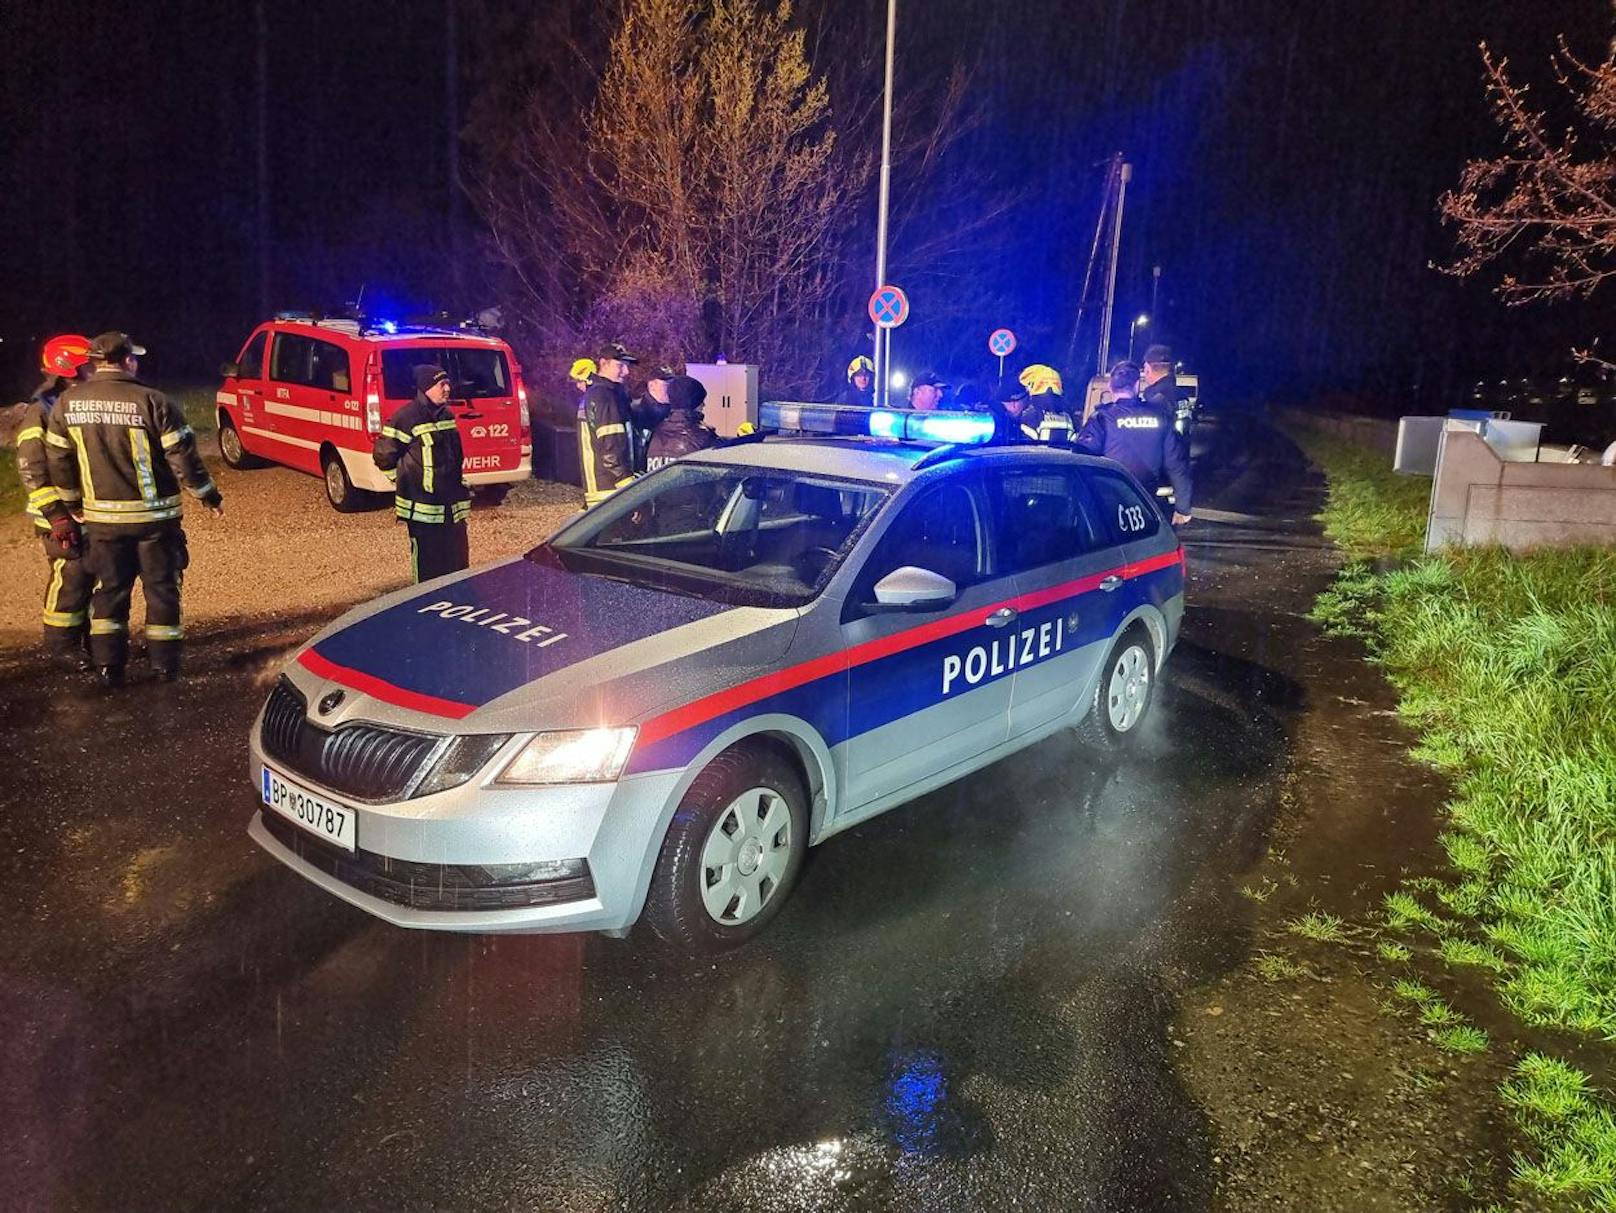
(964, 1006)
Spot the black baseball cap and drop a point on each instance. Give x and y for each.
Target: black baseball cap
(662, 372)
(929, 380)
(115, 347)
(1161, 355)
(614, 351)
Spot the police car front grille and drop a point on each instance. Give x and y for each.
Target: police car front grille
(428, 886)
(364, 761)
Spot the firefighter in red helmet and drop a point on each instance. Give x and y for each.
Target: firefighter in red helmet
(65, 360)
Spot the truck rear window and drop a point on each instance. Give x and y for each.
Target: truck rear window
(476, 373)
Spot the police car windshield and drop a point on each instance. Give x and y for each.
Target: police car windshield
(747, 536)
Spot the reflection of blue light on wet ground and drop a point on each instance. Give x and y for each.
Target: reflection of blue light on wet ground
(914, 1102)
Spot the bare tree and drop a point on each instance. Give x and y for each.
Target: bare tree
(1544, 210)
(695, 196)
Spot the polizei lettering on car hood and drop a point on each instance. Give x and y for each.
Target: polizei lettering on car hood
(449, 650)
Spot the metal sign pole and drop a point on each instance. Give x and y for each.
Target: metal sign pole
(883, 368)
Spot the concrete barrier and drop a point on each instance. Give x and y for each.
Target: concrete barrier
(1476, 497)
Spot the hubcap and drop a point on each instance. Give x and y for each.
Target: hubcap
(333, 481)
(745, 856)
(1128, 688)
(231, 442)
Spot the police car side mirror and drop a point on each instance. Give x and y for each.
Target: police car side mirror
(914, 589)
(229, 369)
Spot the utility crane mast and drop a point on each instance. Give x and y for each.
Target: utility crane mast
(1103, 261)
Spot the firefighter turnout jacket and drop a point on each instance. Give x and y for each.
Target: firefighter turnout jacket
(118, 452)
(33, 467)
(1139, 435)
(603, 438)
(419, 451)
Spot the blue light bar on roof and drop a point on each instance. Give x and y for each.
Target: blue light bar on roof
(904, 425)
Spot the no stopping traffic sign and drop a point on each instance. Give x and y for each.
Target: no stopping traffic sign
(1001, 342)
(889, 307)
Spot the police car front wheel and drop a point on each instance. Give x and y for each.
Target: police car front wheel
(1123, 692)
(732, 853)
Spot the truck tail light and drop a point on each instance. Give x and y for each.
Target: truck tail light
(522, 414)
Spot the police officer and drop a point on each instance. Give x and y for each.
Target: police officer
(681, 432)
(65, 617)
(1160, 382)
(603, 439)
(860, 389)
(118, 452)
(1025, 416)
(926, 393)
(647, 412)
(419, 451)
(1043, 384)
(1138, 433)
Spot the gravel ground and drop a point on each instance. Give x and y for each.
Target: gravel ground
(280, 550)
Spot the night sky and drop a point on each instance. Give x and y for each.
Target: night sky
(1287, 160)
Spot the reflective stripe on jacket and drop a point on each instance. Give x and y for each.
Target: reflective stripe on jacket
(603, 443)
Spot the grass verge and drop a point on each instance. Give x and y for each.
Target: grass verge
(1506, 666)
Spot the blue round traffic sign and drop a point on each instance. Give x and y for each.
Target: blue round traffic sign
(889, 307)
(1001, 342)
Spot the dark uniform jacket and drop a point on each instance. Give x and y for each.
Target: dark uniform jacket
(419, 451)
(608, 460)
(33, 467)
(679, 434)
(118, 452)
(851, 395)
(1054, 422)
(1138, 434)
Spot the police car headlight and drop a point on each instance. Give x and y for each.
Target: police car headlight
(574, 756)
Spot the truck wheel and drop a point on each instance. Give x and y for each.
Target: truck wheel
(732, 853)
(339, 490)
(1122, 694)
(492, 495)
(230, 449)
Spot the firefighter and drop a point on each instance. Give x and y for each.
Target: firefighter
(1043, 384)
(67, 585)
(681, 432)
(603, 431)
(860, 389)
(118, 452)
(1137, 431)
(419, 451)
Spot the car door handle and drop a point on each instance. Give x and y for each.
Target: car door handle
(1110, 583)
(1002, 617)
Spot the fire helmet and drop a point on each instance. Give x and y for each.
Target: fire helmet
(1039, 380)
(64, 355)
(582, 369)
(861, 363)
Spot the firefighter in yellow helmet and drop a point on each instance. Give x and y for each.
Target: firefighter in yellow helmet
(860, 387)
(1044, 391)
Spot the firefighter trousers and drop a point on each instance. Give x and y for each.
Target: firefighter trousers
(437, 548)
(67, 598)
(155, 552)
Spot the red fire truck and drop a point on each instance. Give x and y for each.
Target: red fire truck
(313, 393)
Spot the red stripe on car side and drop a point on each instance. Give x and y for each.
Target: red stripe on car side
(379, 688)
(702, 710)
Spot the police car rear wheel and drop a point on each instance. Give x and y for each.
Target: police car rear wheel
(732, 853)
(1123, 694)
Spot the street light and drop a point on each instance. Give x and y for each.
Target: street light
(1133, 328)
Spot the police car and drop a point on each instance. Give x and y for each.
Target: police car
(655, 713)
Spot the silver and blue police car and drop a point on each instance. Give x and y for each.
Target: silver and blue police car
(655, 713)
